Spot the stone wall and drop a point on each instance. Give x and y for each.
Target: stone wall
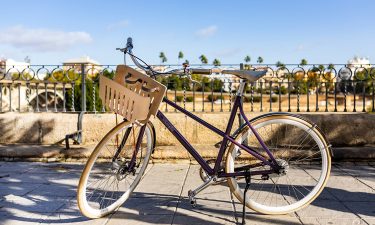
(342, 129)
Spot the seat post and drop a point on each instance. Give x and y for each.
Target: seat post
(241, 88)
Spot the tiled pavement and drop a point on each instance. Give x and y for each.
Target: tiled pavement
(32, 193)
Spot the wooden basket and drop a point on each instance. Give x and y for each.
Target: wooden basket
(131, 94)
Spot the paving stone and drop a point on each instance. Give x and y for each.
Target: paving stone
(363, 209)
(17, 189)
(27, 177)
(129, 218)
(365, 174)
(55, 190)
(370, 221)
(326, 209)
(213, 208)
(253, 218)
(31, 203)
(353, 194)
(151, 206)
(21, 218)
(202, 219)
(72, 218)
(164, 179)
(57, 168)
(16, 167)
(332, 221)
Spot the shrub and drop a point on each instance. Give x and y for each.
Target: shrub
(179, 98)
(214, 97)
(189, 99)
(257, 99)
(283, 90)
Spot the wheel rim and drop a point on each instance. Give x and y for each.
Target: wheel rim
(279, 194)
(105, 187)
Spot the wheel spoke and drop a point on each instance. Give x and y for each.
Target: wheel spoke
(105, 182)
(293, 143)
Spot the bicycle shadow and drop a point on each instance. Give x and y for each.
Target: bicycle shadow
(49, 197)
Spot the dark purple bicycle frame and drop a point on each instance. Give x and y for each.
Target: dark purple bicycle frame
(274, 167)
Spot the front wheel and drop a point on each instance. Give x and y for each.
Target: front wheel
(106, 181)
(299, 149)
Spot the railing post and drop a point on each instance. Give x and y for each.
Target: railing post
(77, 136)
(83, 88)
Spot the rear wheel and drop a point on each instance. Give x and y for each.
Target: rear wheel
(106, 181)
(302, 152)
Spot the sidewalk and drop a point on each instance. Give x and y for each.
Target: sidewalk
(33, 193)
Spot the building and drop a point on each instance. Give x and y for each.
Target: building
(359, 62)
(11, 66)
(354, 64)
(91, 65)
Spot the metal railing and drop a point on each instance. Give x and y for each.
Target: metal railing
(291, 88)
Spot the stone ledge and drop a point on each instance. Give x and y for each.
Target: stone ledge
(49, 153)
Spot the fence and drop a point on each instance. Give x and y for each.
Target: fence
(292, 88)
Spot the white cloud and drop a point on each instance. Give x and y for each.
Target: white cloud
(42, 40)
(118, 25)
(207, 31)
(300, 47)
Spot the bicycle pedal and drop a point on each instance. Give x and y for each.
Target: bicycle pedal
(192, 199)
(193, 203)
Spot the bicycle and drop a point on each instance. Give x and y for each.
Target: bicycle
(261, 157)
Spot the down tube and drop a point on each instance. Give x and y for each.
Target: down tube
(184, 142)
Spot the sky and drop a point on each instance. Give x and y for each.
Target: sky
(321, 31)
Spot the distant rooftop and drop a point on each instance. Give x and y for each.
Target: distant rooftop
(82, 60)
(358, 60)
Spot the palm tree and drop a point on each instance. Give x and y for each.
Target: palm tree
(321, 67)
(186, 61)
(260, 60)
(216, 62)
(331, 66)
(247, 59)
(203, 59)
(180, 56)
(280, 64)
(303, 62)
(162, 57)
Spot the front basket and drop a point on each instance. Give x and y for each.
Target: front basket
(131, 94)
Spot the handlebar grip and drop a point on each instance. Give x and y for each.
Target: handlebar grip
(201, 71)
(129, 43)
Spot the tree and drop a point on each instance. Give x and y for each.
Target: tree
(180, 56)
(280, 64)
(203, 59)
(260, 60)
(216, 62)
(186, 61)
(331, 66)
(303, 62)
(162, 57)
(321, 68)
(247, 59)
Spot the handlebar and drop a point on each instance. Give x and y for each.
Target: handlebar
(185, 71)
